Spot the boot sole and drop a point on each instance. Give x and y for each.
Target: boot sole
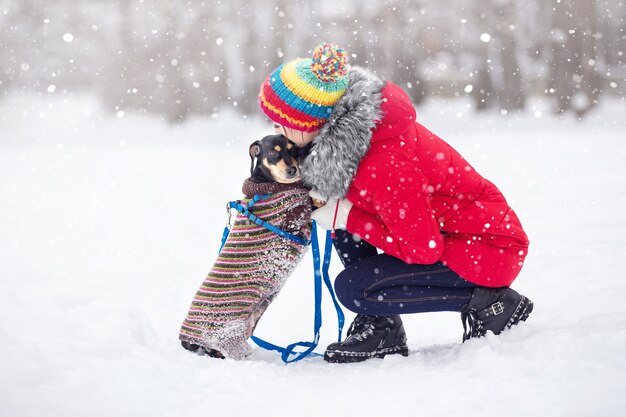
(338, 356)
(522, 312)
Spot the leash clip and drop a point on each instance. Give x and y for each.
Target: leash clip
(230, 214)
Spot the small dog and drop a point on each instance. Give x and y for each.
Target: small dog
(278, 160)
(254, 263)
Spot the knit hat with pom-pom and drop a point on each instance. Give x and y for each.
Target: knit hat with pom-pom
(301, 93)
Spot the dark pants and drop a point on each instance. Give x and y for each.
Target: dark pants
(381, 285)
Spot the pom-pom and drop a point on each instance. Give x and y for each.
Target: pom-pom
(329, 62)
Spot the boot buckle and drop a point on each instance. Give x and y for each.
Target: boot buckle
(497, 308)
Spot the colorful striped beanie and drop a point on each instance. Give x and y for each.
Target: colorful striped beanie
(301, 93)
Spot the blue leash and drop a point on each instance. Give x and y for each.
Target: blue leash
(243, 208)
(320, 274)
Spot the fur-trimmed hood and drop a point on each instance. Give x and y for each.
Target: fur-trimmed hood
(344, 140)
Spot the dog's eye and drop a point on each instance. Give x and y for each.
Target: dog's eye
(273, 154)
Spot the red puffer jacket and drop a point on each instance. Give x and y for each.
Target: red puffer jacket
(417, 199)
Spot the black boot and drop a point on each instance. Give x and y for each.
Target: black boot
(369, 337)
(201, 351)
(493, 309)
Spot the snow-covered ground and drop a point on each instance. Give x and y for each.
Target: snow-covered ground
(109, 224)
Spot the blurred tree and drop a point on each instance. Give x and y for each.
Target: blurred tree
(204, 58)
(402, 46)
(264, 45)
(574, 78)
(21, 34)
(509, 91)
(174, 97)
(483, 91)
(498, 78)
(117, 77)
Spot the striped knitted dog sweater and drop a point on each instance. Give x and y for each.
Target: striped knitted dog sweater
(250, 270)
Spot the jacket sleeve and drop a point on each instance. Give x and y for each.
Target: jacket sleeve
(402, 224)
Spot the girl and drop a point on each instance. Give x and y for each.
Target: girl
(450, 241)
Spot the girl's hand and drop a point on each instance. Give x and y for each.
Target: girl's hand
(333, 215)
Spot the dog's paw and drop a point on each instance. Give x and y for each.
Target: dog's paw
(202, 351)
(212, 353)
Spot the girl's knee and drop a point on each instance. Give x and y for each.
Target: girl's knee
(348, 291)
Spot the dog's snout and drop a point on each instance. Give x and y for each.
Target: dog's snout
(291, 171)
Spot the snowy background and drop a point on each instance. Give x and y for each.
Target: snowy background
(108, 226)
(111, 215)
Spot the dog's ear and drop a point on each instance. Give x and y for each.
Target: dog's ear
(255, 151)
